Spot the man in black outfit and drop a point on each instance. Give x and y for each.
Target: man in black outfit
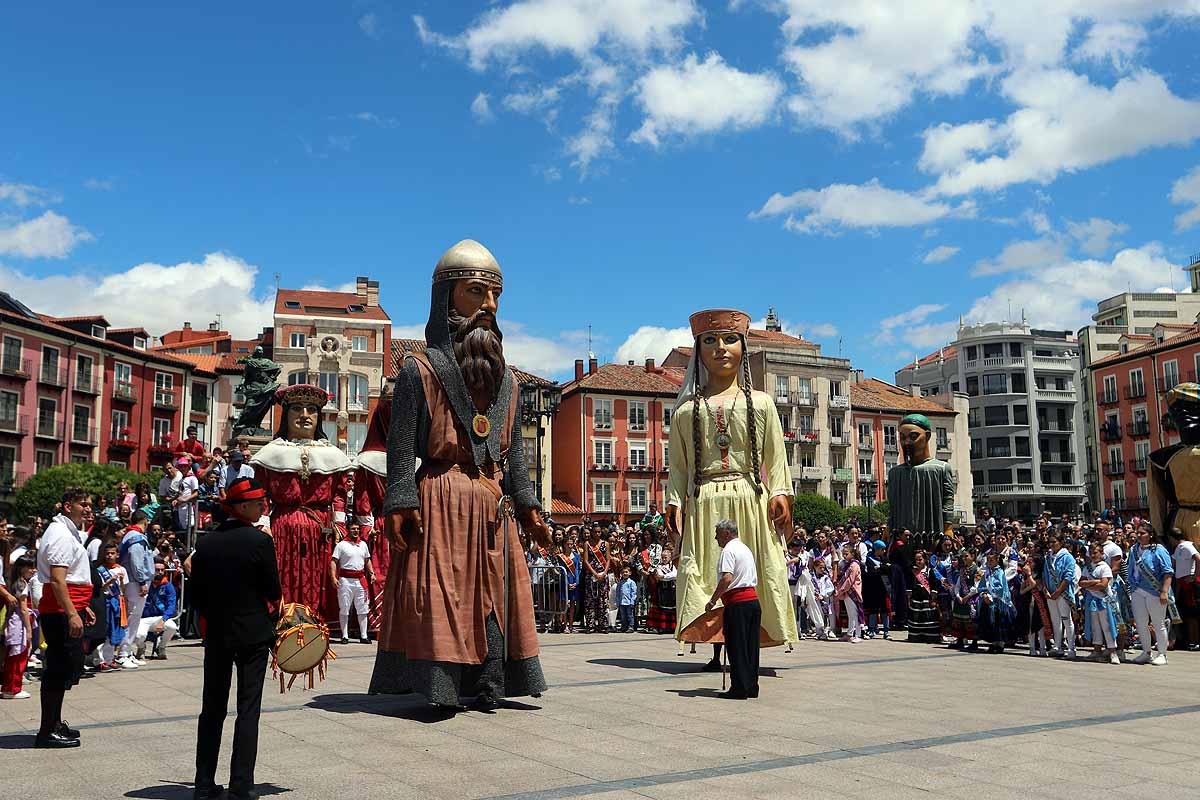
(234, 584)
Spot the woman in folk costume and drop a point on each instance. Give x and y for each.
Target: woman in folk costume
(305, 477)
(723, 436)
(996, 611)
(370, 484)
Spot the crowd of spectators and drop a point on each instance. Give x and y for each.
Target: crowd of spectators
(1054, 586)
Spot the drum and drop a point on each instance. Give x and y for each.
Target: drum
(301, 644)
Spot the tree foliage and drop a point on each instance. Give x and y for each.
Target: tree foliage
(814, 511)
(41, 491)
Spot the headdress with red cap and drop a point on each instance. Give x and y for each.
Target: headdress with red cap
(243, 490)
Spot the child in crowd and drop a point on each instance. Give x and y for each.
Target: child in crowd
(849, 591)
(114, 579)
(962, 610)
(1039, 613)
(1099, 603)
(876, 589)
(821, 610)
(18, 631)
(626, 601)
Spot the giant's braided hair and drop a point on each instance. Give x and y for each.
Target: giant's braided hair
(751, 422)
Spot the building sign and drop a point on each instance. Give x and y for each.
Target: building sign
(843, 474)
(812, 473)
(839, 401)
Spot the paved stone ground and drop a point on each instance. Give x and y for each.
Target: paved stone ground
(626, 717)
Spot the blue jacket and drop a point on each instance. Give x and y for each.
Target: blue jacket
(160, 601)
(626, 592)
(136, 557)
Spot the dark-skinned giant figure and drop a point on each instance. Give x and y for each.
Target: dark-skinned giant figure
(449, 626)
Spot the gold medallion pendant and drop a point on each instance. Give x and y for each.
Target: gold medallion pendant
(481, 426)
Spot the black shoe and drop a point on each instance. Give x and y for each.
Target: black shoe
(209, 793)
(486, 701)
(247, 795)
(54, 741)
(711, 666)
(63, 729)
(365, 640)
(732, 695)
(345, 640)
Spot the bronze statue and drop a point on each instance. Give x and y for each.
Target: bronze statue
(260, 381)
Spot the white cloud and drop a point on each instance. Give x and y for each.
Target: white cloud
(26, 194)
(369, 24)
(1186, 191)
(349, 287)
(1095, 236)
(219, 284)
(947, 146)
(99, 184)
(481, 107)
(1115, 43)
(699, 97)
(1064, 123)
(801, 330)
(1020, 256)
(650, 341)
(888, 326)
(869, 205)
(579, 200)
(376, 119)
(576, 27)
(48, 236)
(937, 255)
(1064, 294)
(862, 60)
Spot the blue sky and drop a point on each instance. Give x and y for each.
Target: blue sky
(872, 174)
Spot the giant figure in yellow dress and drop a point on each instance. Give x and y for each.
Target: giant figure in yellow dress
(727, 461)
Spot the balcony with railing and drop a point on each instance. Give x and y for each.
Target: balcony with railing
(165, 399)
(86, 383)
(1114, 468)
(1003, 489)
(1064, 488)
(49, 428)
(50, 375)
(11, 481)
(1055, 395)
(1138, 464)
(16, 425)
(1116, 503)
(866, 443)
(1057, 457)
(1139, 427)
(892, 446)
(1135, 391)
(641, 465)
(1055, 426)
(839, 440)
(1167, 384)
(1062, 362)
(83, 434)
(19, 368)
(807, 436)
(124, 392)
(943, 446)
(1107, 398)
(1110, 433)
(804, 399)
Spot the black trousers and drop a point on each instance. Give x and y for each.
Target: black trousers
(251, 665)
(741, 623)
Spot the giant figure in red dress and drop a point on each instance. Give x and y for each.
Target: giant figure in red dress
(370, 484)
(305, 477)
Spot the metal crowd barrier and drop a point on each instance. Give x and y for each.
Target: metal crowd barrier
(550, 599)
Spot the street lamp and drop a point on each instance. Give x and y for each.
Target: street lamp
(866, 495)
(539, 401)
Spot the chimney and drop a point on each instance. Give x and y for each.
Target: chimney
(372, 294)
(212, 326)
(579, 369)
(360, 288)
(592, 366)
(914, 389)
(187, 326)
(649, 365)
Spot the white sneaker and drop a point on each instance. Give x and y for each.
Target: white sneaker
(141, 662)
(1144, 658)
(1159, 660)
(1114, 659)
(127, 663)
(21, 695)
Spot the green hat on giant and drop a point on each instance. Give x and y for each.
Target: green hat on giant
(920, 420)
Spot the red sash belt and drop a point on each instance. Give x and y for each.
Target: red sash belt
(356, 574)
(743, 595)
(80, 594)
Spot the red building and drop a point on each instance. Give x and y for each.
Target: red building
(610, 440)
(77, 389)
(1130, 409)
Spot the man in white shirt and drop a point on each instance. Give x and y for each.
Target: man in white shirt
(737, 578)
(1187, 568)
(189, 487)
(64, 568)
(352, 574)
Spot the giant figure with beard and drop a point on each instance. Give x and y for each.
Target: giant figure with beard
(448, 629)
